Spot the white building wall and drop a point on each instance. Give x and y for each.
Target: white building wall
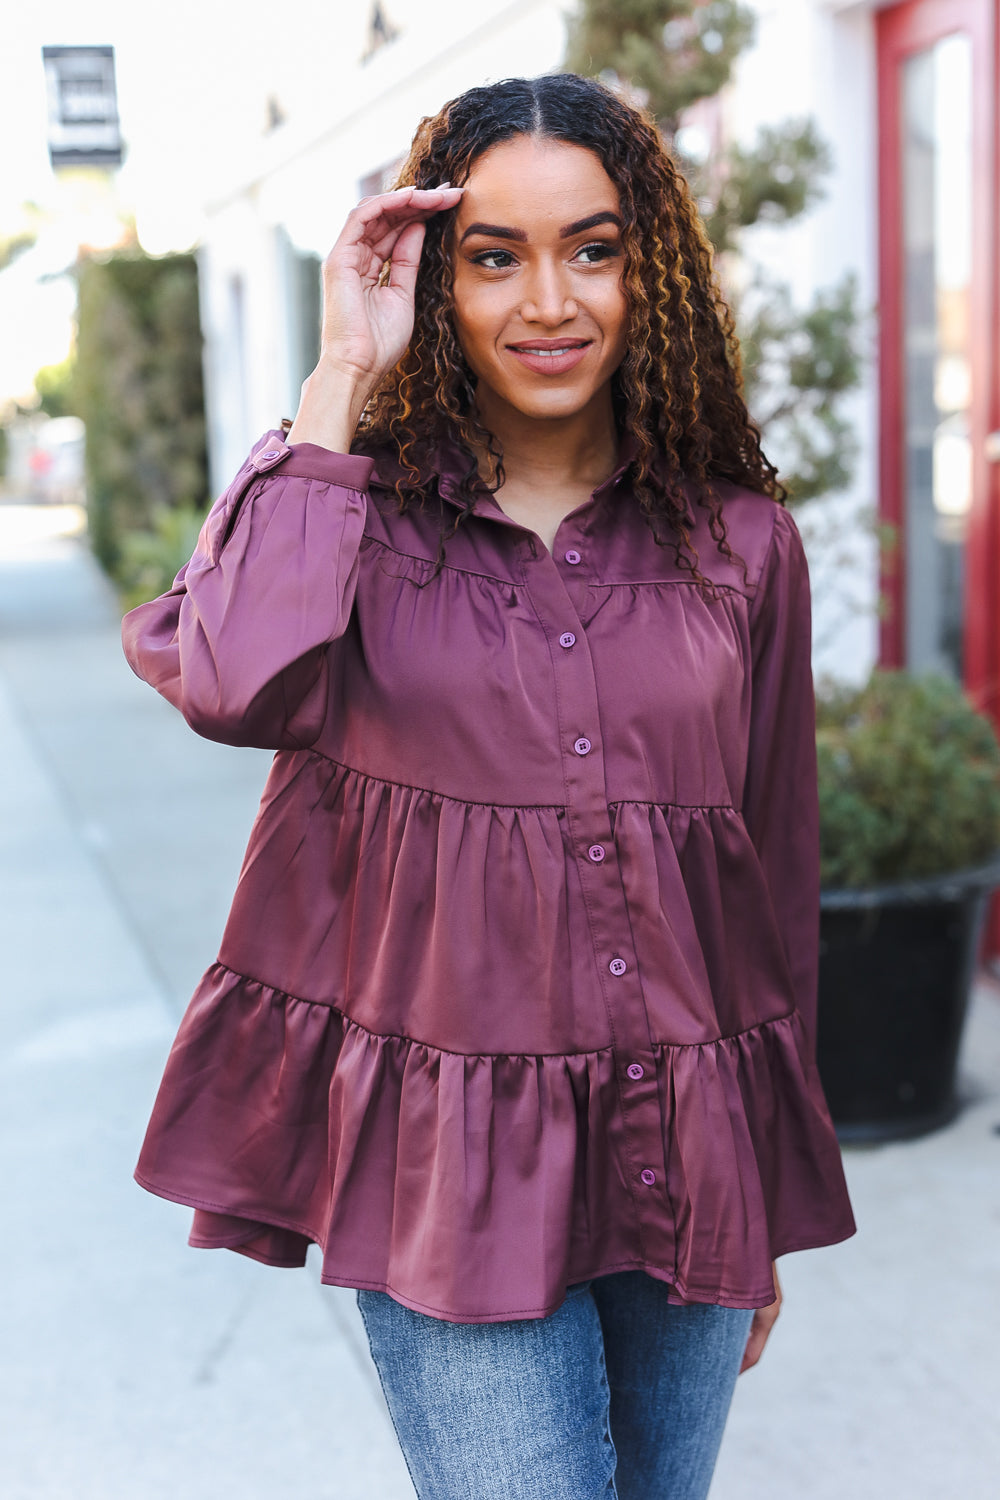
(811, 57)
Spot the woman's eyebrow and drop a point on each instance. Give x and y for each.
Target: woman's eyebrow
(579, 226)
(494, 232)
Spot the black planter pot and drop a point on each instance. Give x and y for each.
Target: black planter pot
(896, 967)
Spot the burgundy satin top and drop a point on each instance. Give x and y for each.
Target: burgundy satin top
(518, 986)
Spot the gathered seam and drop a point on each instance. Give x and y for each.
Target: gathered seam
(407, 786)
(411, 1041)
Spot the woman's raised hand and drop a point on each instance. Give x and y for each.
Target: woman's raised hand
(367, 323)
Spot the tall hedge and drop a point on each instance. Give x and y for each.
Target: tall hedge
(139, 390)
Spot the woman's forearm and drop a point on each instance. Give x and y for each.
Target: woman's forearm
(330, 407)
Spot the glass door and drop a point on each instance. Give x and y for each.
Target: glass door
(937, 205)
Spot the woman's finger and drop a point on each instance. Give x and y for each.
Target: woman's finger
(764, 1320)
(386, 248)
(375, 216)
(364, 250)
(369, 236)
(402, 203)
(381, 241)
(404, 261)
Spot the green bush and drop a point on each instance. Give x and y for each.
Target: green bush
(909, 781)
(149, 561)
(56, 388)
(138, 388)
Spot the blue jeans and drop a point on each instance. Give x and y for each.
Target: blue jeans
(618, 1395)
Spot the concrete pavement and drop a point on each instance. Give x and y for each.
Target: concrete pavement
(132, 1368)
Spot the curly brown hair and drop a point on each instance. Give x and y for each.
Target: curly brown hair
(678, 390)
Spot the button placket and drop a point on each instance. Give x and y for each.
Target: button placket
(558, 594)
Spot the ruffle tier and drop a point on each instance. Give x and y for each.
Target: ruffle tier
(477, 1188)
(471, 926)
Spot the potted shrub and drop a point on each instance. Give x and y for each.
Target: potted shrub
(909, 778)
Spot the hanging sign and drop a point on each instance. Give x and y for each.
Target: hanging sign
(82, 107)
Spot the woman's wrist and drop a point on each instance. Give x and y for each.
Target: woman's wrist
(330, 408)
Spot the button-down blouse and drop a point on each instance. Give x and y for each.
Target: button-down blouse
(518, 986)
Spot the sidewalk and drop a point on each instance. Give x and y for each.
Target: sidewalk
(133, 1368)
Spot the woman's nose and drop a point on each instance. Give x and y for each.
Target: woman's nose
(548, 297)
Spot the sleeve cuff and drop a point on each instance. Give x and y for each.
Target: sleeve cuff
(351, 471)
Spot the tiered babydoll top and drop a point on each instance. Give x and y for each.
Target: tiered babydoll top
(518, 986)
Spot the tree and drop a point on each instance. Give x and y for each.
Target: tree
(668, 55)
(17, 238)
(54, 388)
(672, 52)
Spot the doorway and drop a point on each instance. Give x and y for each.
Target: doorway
(940, 447)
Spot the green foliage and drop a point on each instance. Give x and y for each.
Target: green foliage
(150, 560)
(13, 245)
(139, 391)
(909, 778)
(55, 387)
(797, 366)
(19, 232)
(775, 180)
(673, 52)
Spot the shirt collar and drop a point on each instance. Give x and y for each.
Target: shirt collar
(448, 462)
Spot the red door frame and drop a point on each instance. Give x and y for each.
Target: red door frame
(902, 30)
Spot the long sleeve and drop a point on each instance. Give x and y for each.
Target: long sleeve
(239, 643)
(780, 804)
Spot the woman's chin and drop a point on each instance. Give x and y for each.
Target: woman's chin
(553, 405)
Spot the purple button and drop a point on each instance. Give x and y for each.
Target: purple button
(617, 966)
(572, 556)
(635, 1071)
(268, 458)
(647, 1176)
(582, 746)
(596, 853)
(567, 640)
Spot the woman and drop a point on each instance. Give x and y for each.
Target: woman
(514, 1011)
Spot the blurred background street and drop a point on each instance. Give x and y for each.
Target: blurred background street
(170, 187)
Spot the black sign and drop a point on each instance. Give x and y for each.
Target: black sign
(83, 107)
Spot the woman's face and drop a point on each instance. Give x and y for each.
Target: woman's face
(539, 306)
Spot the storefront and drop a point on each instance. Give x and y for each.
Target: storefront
(939, 412)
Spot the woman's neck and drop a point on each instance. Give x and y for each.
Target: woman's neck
(555, 454)
(550, 465)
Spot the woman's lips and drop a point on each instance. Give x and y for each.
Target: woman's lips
(550, 356)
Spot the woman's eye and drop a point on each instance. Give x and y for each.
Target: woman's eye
(593, 254)
(494, 260)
